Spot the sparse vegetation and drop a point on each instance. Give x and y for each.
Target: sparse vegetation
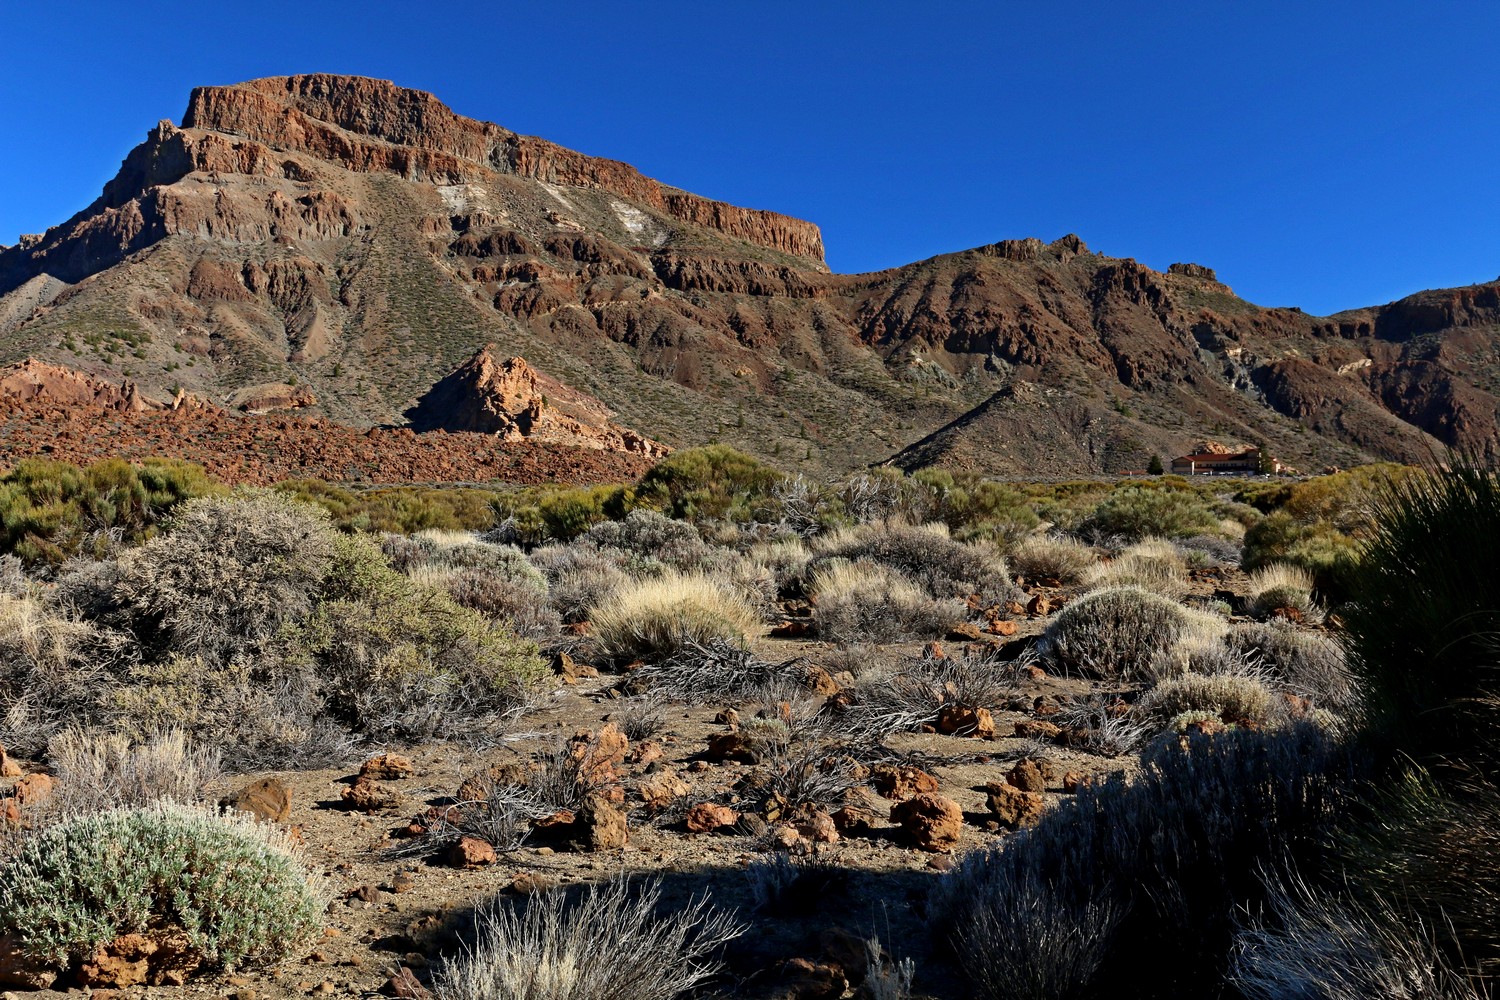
(869, 602)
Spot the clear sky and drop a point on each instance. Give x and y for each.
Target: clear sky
(1320, 154)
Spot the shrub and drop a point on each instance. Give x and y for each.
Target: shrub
(579, 577)
(1322, 947)
(914, 694)
(412, 663)
(50, 511)
(401, 510)
(1235, 699)
(1152, 564)
(1125, 632)
(656, 618)
(609, 942)
(1142, 511)
(235, 888)
(227, 575)
(521, 608)
(1276, 586)
(1177, 848)
(926, 556)
(1305, 663)
(54, 670)
(1425, 612)
(1328, 554)
(869, 602)
(97, 772)
(646, 534)
(717, 670)
(786, 561)
(1433, 852)
(708, 483)
(1052, 557)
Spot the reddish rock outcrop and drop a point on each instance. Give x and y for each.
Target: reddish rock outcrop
(515, 402)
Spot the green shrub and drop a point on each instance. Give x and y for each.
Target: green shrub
(401, 510)
(404, 660)
(1424, 616)
(709, 483)
(1143, 511)
(234, 887)
(1126, 633)
(1326, 553)
(1133, 888)
(50, 511)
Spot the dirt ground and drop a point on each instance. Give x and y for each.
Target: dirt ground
(394, 905)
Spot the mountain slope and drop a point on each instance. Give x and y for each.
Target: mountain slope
(362, 240)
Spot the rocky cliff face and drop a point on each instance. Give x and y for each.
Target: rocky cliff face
(362, 242)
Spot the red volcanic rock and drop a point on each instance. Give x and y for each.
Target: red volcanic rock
(515, 402)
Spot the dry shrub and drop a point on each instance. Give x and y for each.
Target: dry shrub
(579, 577)
(1282, 585)
(1152, 564)
(1127, 633)
(1235, 699)
(1311, 945)
(1132, 888)
(925, 555)
(718, 670)
(1052, 557)
(521, 607)
(786, 561)
(96, 772)
(612, 941)
(1308, 664)
(54, 669)
(658, 617)
(869, 602)
(228, 574)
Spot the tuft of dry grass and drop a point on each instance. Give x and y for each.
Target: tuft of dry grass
(609, 942)
(658, 617)
(97, 772)
(1052, 557)
(1282, 585)
(1152, 564)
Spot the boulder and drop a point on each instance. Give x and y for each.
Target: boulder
(930, 822)
(267, 799)
(1013, 807)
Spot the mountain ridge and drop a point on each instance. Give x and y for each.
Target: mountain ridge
(363, 240)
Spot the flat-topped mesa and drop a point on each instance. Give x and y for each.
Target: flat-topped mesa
(373, 125)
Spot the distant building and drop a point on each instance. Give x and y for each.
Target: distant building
(1219, 463)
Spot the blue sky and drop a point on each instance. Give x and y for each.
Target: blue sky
(1320, 154)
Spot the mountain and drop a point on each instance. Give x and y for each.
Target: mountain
(361, 243)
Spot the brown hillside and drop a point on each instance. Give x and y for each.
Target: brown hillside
(362, 241)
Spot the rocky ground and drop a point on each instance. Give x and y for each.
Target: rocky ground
(684, 801)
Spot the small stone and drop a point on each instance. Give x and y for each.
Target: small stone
(9, 768)
(403, 882)
(529, 883)
(471, 852)
(368, 795)
(1030, 775)
(661, 790)
(386, 766)
(706, 817)
(853, 819)
(1013, 807)
(1037, 730)
(900, 783)
(961, 720)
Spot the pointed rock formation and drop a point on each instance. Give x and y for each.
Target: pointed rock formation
(516, 402)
